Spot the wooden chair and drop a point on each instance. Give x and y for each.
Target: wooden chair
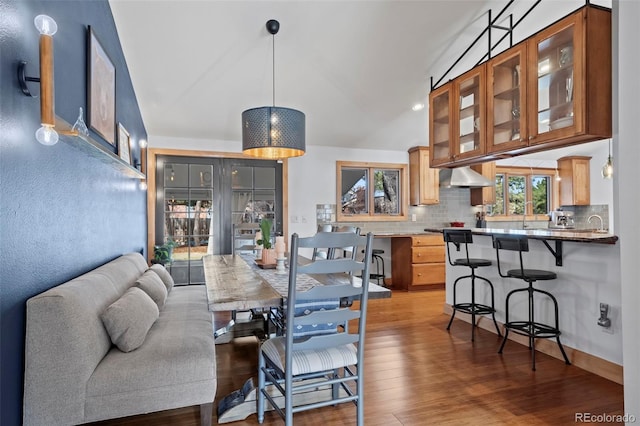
(301, 362)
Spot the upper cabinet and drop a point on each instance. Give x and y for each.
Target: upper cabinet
(575, 184)
(423, 181)
(569, 92)
(487, 194)
(551, 90)
(506, 102)
(457, 112)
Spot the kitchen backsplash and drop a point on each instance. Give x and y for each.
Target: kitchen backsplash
(454, 206)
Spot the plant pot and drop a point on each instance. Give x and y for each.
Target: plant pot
(268, 256)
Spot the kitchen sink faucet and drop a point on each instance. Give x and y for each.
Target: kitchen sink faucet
(524, 213)
(601, 229)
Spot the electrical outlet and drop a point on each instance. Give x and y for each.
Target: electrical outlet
(413, 217)
(304, 219)
(294, 219)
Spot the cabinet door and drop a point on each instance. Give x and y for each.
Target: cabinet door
(468, 139)
(487, 194)
(506, 100)
(556, 96)
(423, 180)
(427, 274)
(440, 124)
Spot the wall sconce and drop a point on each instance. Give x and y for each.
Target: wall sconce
(47, 27)
(607, 169)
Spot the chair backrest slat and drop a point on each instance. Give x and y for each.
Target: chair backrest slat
(457, 237)
(519, 243)
(327, 297)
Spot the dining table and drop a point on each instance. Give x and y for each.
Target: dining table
(239, 282)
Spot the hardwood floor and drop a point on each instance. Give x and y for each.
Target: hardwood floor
(417, 373)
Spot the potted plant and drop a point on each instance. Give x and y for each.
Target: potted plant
(268, 252)
(163, 254)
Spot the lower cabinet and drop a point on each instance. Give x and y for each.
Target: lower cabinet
(417, 262)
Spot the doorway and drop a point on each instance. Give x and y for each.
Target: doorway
(198, 199)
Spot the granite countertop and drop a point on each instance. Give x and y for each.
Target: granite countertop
(575, 235)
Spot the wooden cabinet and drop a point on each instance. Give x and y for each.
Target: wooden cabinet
(487, 194)
(575, 184)
(457, 112)
(417, 262)
(569, 89)
(506, 101)
(551, 90)
(424, 181)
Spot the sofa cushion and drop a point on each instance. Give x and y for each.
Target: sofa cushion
(175, 367)
(151, 283)
(129, 319)
(164, 275)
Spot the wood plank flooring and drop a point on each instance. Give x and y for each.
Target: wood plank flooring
(417, 373)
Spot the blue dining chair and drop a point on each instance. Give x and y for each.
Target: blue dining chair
(302, 362)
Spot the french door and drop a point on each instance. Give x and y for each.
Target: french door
(198, 200)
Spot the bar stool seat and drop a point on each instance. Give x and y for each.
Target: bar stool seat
(458, 237)
(531, 328)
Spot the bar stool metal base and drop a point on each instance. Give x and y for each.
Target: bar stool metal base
(531, 328)
(473, 308)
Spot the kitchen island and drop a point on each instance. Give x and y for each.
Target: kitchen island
(587, 265)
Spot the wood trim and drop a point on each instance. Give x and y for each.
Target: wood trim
(588, 362)
(152, 155)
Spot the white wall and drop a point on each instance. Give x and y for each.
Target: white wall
(626, 151)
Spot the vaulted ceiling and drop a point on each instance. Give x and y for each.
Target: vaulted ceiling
(354, 67)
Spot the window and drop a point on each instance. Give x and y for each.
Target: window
(371, 191)
(519, 191)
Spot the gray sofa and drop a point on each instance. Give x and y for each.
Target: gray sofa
(73, 372)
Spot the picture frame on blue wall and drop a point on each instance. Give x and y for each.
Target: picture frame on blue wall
(101, 90)
(124, 144)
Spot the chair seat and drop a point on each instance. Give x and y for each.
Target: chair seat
(532, 274)
(310, 361)
(472, 263)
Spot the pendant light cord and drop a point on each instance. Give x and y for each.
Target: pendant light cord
(273, 61)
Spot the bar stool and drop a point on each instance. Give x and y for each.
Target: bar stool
(530, 328)
(464, 236)
(375, 257)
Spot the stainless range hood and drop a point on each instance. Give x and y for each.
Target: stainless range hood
(463, 177)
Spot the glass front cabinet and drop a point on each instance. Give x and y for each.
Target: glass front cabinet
(457, 112)
(551, 90)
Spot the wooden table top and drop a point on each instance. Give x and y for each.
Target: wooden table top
(235, 284)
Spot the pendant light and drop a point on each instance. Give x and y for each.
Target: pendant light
(273, 132)
(607, 169)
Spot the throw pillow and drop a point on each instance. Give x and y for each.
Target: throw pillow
(164, 275)
(129, 319)
(151, 283)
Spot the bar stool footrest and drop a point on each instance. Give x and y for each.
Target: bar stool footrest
(473, 309)
(533, 329)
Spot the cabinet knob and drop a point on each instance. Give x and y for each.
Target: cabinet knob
(531, 138)
(521, 139)
(419, 254)
(419, 274)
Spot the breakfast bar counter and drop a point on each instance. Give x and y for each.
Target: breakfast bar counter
(575, 235)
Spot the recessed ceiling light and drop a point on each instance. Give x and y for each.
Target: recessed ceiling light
(417, 107)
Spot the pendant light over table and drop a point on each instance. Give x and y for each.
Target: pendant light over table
(607, 169)
(273, 132)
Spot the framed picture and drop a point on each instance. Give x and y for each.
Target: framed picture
(124, 144)
(101, 90)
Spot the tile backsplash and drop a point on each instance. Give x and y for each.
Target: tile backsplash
(454, 206)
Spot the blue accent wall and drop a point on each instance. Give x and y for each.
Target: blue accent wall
(62, 213)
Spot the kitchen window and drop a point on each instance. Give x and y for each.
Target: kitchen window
(371, 191)
(524, 191)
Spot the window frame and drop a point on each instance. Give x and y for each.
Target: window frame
(528, 172)
(371, 216)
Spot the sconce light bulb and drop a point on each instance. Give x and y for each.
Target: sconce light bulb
(45, 24)
(47, 135)
(143, 143)
(143, 185)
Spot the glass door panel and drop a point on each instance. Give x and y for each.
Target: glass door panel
(555, 81)
(469, 117)
(440, 125)
(506, 101)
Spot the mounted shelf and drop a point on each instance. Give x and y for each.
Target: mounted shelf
(94, 149)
